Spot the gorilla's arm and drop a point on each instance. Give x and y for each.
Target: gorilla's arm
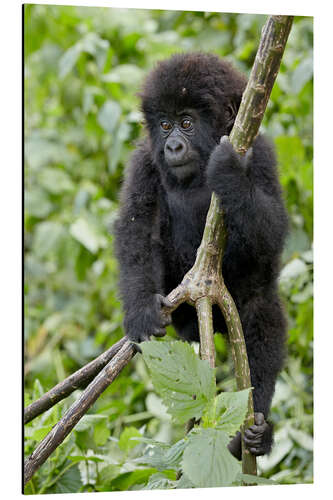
(137, 250)
(250, 194)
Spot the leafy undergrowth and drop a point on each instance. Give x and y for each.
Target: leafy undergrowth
(201, 459)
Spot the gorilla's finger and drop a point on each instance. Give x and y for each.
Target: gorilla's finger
(136, 347)
(259, 418)
(159, 332)
(251, 441)
(163, 301)
(250, 434)
(224, 139)
(166, 302)
(166, 319)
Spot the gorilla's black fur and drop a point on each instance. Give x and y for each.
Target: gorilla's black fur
(189, 102)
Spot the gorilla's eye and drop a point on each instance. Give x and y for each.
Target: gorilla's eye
(186, 123)
(166, 125)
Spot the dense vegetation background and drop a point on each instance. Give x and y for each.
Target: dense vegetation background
(83, 68)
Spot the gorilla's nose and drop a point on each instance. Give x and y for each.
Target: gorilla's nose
(175, 146)
(175, 151)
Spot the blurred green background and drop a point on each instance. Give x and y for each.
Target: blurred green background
(83, 68)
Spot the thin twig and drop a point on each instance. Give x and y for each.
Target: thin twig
(77, 380)
(78, 409)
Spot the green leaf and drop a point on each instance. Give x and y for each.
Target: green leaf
(303, 295)
(126, 441)
(108, 116)
(89, 94)
(41, 152)
(302, 438)
(68, 60)
(55, 180)
(90, 43)
(127, 74)
(155, 405)
(206, 460)
(84, 232)
(115, 151)
(37, 203)
(231, 409)
(87, 421)
(302, 74)
(84, 458)
(41, 432)
(297, 241)
(183, 482)
(292, 270)
(282, 446)
(69, 482)
(184, 381)
(128, 479)
(159, 481)
(290, 163)
(250, 479)
(108, 473)
(38, 390)
(163, 456)
(47, 237)
(101, 432)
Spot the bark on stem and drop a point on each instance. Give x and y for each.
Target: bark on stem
(205, 319)
(258, 90)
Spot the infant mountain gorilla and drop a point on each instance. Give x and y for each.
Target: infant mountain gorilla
(189, 102)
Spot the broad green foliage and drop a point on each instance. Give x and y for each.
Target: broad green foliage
(83, 70)
(187, 394)
(185, 382)
(206, 461)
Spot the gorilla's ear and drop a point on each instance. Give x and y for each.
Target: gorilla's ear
(231, 110)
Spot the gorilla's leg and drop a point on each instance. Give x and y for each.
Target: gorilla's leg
(264, 330)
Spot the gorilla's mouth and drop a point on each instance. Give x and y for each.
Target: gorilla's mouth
(182, 170)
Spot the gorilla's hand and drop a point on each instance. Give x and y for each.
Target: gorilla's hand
(258, 438)
(226, 171)
(151, 320)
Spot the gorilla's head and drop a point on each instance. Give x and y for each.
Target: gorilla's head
(189, 101)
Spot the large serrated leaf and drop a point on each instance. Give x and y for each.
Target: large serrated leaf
(68, 482)
(185, 382)
(231, 409)
(206, 460)
(250, 479)
(163, 456)
(159, 481)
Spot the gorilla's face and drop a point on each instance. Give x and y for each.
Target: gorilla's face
(178, 134)
(182, 142)
(189, 102)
